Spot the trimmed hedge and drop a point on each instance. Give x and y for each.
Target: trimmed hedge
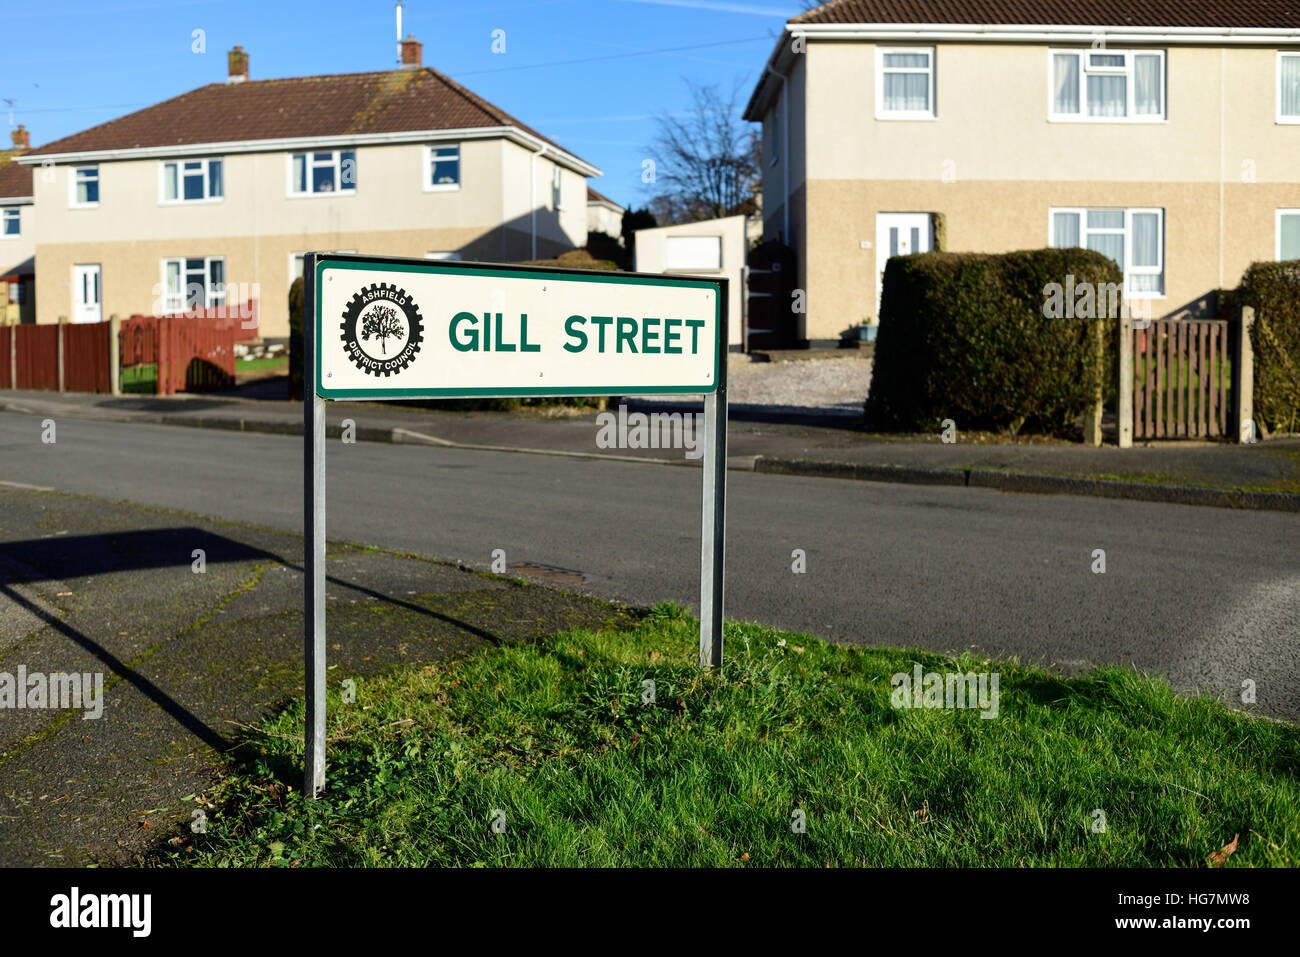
(963, 336)
(1273, 290)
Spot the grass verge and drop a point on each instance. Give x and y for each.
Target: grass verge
(559, 744)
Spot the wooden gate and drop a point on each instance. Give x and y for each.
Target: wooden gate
(1182, 378)
(85, 357)
(38, 357)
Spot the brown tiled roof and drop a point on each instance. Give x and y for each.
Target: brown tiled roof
(1276, 14)
(15, 180)
(595, 197)
(392, 101)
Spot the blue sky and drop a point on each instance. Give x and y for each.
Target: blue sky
(591, 74)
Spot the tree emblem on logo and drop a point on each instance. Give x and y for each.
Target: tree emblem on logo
(382, 323)
(382, 329)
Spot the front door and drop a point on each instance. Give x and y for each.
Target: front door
(86, 294)
(898, 234)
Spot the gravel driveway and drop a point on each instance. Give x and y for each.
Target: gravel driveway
(825, 386)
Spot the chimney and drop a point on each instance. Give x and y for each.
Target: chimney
(411, 48)
(22, 139)
(238, 61)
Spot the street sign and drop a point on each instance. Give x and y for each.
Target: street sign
(440, 329)
(382, 328)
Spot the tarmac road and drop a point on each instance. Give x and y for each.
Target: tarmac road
(1208, 597)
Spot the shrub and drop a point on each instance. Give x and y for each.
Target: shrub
(963, 336)
(295, 338)
(574, 259)
(1273, 290)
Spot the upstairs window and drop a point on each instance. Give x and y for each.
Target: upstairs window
(1108, 85)
(194, 283)
(905, 83)
(1133, 238)
(441, 168)
(85, 186)
(1288, 87)
(192, 181)
(12, 225)
(329, 171)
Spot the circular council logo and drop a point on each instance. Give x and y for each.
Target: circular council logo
(382, 329)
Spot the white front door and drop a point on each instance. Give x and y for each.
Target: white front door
(898, 234)
(86, 294)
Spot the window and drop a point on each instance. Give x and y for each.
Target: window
(85, 186)
(1107, 86)
(192, 181)
(1288, 234)
(296, 261)
(905, 83)
(12, 224)
(443, 255)
(194, 283)
(1133, 238)
(1288, 87)
(441, 168)
(331, 171)
(557, 193)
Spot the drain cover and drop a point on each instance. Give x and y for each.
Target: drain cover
(551, 574)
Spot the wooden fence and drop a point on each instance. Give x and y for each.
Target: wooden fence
(1185, 379)
(193, 350)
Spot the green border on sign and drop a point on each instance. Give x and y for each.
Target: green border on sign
(634, 279)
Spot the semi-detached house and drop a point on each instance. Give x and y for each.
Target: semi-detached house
(1163, 133)
(216, 195)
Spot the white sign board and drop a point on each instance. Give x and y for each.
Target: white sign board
(401, 329)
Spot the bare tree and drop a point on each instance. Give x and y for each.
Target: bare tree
(706, 162)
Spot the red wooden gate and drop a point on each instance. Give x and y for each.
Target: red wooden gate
(194, 353)
(85, 358)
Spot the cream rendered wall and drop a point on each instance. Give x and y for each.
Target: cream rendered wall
(17, 249)
(257, 225)
(1008, 165)
(558, 230)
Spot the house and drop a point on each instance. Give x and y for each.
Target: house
(1165, 134)
(17, 246)
(213, 197)
(604, 215)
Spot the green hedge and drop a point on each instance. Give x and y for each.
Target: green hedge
(963, 336)
(295, 338)
(1273, 290)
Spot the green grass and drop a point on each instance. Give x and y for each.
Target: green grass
(140, 378)
(252, 365)
(556, 736)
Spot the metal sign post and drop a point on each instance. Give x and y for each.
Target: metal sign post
(381, 328)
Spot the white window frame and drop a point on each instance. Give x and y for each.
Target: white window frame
(292, 192)
(72, 186)
(211, 299)
(927, 114)
(1277, 230)
(774, 137)
(4, 217)
(1130, 87)
(294, 257)
(429, 185)
(448, 256)
(1128, 268)
(180, 182)
(1284, 120)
